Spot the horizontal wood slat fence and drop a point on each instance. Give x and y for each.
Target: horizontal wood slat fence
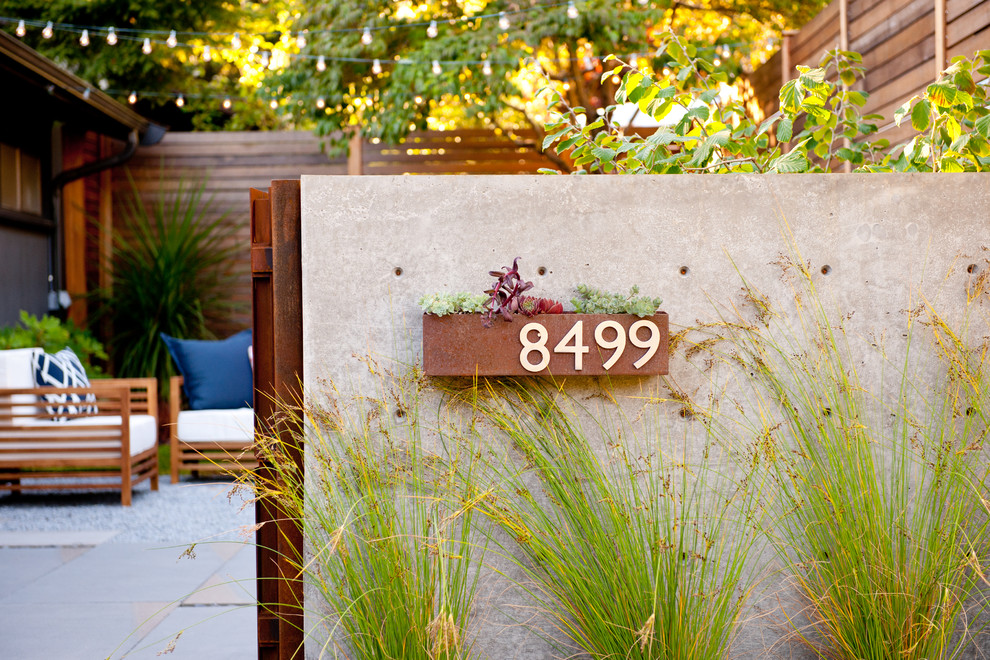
(234, 162)
(904, 44)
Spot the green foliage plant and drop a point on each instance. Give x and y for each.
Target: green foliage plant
(395, 540)
(594, 301)
(630, 553)
(172, 273)
(819, 127)
(52, 334)
(877, 510)
(462, 302)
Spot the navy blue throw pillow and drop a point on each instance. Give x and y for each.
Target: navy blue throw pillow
(217, 373)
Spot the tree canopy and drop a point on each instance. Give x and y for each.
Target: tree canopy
(386, 67)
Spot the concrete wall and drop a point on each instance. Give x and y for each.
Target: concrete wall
(373, 245)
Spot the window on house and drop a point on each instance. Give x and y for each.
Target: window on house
(20, 180)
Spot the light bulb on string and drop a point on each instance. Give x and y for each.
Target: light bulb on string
(226, 103)
(86, 93)
(235, 41)
(300, 41)
(321, 63)
(84, 39)
(366, 36)
(437, 69)
(111, 37)
(172, 40)
(486, 68)
(717, 62)
(207, 54)
(273, 104)
(588, 64)
(503, 20)
(21, 29)
(376, 67)
(432, 31)
(634, 61)
(181, 101)
(132, 98)
(47, 31)
(321, 103)
(146, 46)
(572, 10)
(666, 71)
(265, 59)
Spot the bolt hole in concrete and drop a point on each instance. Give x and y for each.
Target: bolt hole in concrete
(684, 270)
(972, 268)
(397, 272)
(400, 414)
(826, 269)
(542, 270)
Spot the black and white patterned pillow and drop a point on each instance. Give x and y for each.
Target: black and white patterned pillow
(63, 370)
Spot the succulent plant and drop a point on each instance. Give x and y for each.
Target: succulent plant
(533, 306)
(461, 302)
(595, 301)
(506, 295)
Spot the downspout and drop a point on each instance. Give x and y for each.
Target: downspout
(58, 299)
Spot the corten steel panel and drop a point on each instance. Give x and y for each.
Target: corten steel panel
(460, 345)
(275, 225)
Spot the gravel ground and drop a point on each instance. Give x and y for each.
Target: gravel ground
(193, 510)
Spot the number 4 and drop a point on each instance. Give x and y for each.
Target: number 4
(576, 333)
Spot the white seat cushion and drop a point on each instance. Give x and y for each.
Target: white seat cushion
(217, 425)
(144, 436)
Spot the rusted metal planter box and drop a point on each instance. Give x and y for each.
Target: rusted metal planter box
(546, 345)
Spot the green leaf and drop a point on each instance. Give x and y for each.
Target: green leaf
(941, 94)
(790, 96)
(982, 126)
(901, 112)
(785, 130)
(767, 123)
(950, 164)
(921, 115)
(790, 163)
(857, 97)
(848, 77)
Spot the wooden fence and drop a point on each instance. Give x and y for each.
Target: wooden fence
(233, 162)
(904, 44)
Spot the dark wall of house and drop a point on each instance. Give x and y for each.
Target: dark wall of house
(23, 273)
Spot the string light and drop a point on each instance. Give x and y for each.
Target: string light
(86, 93)
(486, 68)
(21, 30)
(172, 40)
(111, 37)
(321, 103)
(572, 10)
(432, 31)
(47, 31)
(376, 67)
(84, 39)
(634, 61)
(264, 59)
(226, 103)
(132, 98)
(300, 41)
(235, 41)
(207, 54)
(181, 101)
(437, 69)
(273, 105)
(366, 37)
(503, 21)
(321, 63)
(146, 46)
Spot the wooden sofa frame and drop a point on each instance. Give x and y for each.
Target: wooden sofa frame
(71, 461)
(230, 457)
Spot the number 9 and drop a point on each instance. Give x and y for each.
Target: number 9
(653, 343)
(619, 343)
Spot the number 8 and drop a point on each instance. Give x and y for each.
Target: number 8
(539, 346)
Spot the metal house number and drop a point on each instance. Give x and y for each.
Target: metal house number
(609, 336)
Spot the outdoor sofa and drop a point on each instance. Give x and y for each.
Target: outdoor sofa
(67, 436)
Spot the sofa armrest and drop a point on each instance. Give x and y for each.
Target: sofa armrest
(174, 399)
(143, 392)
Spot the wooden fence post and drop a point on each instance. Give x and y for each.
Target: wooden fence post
(939, 37)
(355, 155)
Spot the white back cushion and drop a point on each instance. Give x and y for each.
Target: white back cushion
(16, 372)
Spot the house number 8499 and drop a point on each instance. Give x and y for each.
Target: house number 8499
(609, 335)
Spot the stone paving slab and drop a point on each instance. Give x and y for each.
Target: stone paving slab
(49, 539)
(22, 566)
(207, 632)
(69, 631)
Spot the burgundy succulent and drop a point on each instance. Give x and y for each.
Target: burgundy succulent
(533, 306)
(506, 294)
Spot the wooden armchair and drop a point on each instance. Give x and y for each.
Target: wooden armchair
(119, 439)
(209, 441)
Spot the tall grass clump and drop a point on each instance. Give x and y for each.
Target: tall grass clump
(390, 523)
(627, 550)
(873, 453)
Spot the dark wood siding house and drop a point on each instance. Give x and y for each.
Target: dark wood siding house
(58, 134)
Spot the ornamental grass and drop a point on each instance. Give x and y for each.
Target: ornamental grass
(871, 452)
